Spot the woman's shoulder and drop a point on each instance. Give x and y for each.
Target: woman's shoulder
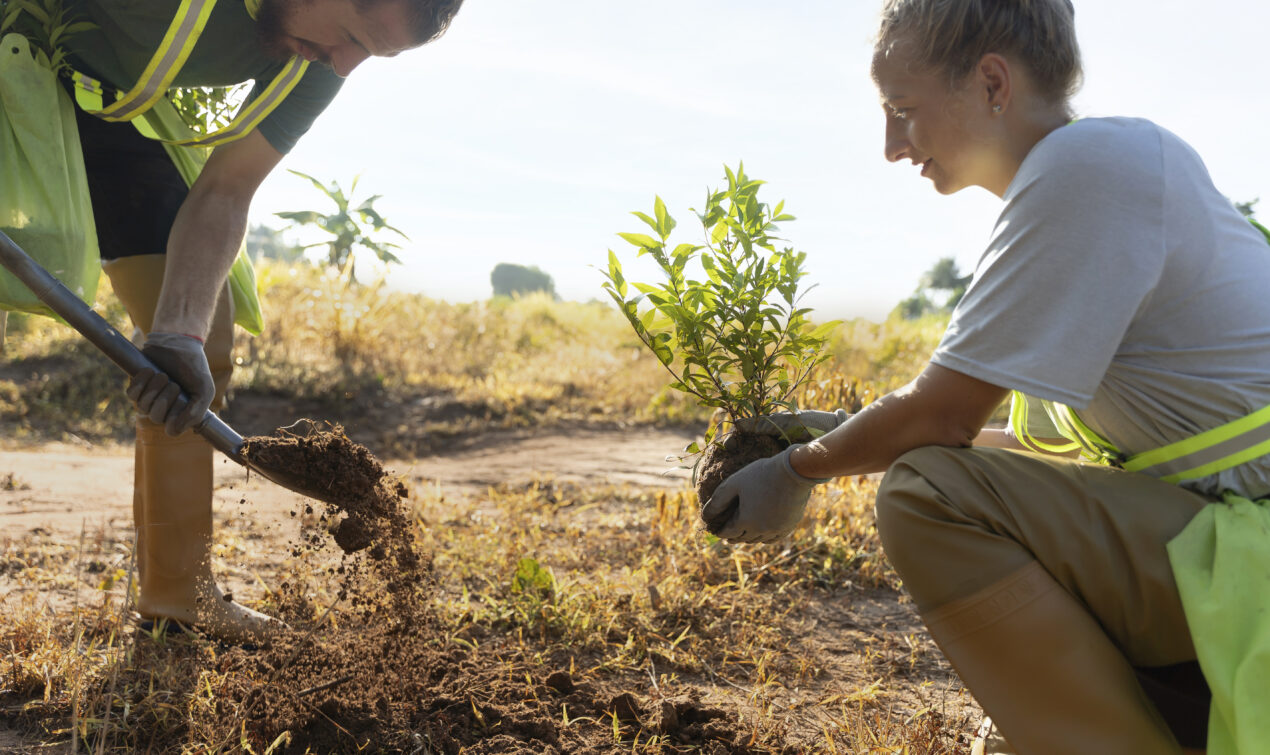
(1096, 139)
(1092, 149)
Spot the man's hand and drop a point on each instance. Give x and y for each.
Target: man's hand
(183, 367)
(794, 427)
(761, 503)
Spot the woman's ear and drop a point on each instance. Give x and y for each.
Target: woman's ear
(995, 80)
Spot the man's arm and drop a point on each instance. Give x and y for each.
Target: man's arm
(202, 244)
(208, 232)
(941, 407)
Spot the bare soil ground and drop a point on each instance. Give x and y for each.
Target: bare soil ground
(51, 494)
(56, 489)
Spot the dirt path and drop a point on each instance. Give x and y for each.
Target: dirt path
(57, 489)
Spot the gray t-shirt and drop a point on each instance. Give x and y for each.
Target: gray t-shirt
(228, 52)
(1120, 282)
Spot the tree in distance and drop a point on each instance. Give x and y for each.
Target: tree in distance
(509, 279)
(945, 281)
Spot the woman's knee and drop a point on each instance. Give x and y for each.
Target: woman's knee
(936, 532)
(909, 491)
(909, 502)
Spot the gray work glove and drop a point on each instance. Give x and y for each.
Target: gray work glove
(761, 503)
(794, 427)
(183, 367)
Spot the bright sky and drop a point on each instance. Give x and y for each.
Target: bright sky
(530, 131)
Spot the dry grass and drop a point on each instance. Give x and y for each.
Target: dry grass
(630, 594)
(522, 362)
(810, 642)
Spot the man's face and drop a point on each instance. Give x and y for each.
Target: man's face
(334, 32)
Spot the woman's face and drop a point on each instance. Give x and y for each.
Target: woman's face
(940, 127)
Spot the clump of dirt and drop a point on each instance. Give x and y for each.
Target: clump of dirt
(721, 460)
(344, 474)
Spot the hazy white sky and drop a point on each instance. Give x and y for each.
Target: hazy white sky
(530, 131)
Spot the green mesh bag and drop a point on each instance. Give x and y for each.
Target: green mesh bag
(44, 203)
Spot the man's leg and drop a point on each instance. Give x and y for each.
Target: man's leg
(172, 495)
(1045, 582)
(136, 192)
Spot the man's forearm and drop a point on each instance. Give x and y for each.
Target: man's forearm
(208, 232)
(204, 241)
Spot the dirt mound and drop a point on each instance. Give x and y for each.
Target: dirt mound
(409, 695)
(373, 670)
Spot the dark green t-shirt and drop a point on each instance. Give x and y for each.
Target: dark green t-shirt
(228, 52)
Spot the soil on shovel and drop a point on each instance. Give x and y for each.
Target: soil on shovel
(720, 460)
(365, 665)
(347, 475)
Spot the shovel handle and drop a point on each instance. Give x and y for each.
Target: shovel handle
(111, 342)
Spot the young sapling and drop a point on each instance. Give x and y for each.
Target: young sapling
(725, 321)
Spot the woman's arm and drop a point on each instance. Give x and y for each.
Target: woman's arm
(941, 407)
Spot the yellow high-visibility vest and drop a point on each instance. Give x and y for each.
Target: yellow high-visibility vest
(167, 61)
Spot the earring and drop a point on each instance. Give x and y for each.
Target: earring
(996, 109)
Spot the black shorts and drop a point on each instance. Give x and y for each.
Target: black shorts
(135, 189)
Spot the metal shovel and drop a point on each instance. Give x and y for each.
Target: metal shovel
(122, 352)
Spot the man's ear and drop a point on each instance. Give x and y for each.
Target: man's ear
(996, 81)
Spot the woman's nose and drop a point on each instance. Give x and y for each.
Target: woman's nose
(896, 144)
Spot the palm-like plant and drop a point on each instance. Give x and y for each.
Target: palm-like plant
(350, 227)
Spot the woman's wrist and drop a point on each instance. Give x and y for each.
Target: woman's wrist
(809, 460)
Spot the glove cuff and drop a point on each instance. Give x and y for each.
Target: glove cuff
(793, 474)
(171, 340)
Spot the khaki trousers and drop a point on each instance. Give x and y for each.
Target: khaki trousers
(977, 533)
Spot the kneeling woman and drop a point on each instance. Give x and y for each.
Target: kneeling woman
(1123, 299)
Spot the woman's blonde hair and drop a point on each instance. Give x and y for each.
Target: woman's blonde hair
(951, 36)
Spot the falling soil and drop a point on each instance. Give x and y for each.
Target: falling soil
(342, 473)
(738, 449)
(364, 664)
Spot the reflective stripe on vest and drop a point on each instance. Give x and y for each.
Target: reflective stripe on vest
(1200, 455)
(1209, 452)
(166, 63)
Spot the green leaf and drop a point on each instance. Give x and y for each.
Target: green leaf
(822, 332)
(306, 216)
(530, 578)
(647, 220)
(641, 240)
(615, 274)
(665, 223)
(647, 319)
(661, 347)
(32, 9)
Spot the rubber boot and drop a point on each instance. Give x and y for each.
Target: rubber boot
(174, 539)
(1046, 672)
(173, 485)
